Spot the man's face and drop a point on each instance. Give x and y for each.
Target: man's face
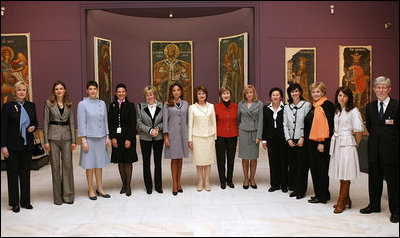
(382, 91)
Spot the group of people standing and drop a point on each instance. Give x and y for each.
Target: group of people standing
(299, 136)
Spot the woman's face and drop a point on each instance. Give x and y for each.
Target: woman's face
(249, 95)
(21, 93)
(176, 92)
(276, 97)
(342, 99)
(226, 96)
(317, 94)
(92, 92)
(59, 91)
(295, 94)
(201, 96)
(121, 93)
(150, 98)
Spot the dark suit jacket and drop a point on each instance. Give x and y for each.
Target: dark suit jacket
(10, 131)
(128, 121)
(383, 140)
(269, 132)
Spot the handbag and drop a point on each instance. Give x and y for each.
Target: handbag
(37, 147)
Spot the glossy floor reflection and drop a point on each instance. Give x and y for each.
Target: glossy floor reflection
(229, 212)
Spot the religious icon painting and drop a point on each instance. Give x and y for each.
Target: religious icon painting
(103, 68)
(355, 70)
(15, 64)
(300, 68)
(172, 62)
(233, 64)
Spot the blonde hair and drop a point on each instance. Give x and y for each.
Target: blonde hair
(19, 84)
(149, 89)
(320, 85)
(255, 95)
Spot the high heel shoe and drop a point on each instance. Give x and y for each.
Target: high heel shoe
(199, 188)
(253, 186)
(207, 187)
(246, 186)
(103, 195)
(174, 193)
(92, 198)
(180, 190)
(128, 192)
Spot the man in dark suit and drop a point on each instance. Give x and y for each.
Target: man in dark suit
(382, 121)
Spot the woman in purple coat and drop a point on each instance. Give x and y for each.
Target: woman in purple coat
(175, 117)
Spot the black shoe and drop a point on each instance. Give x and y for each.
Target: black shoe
(122, 190)
(103, 195)
(180, 190)
(253, 186)
(231, 185)
(149, 191)
(273, 189)
(69, 202)
(293, 194)
(246, 186)
(15, 208)
(284, 189)
(394, 218)
(174, 193)
(28, 206)
(316, 200)
(159, 190)
(369, 209)
(300, 196)
(92, 198)
(223, 185)
(129, 192)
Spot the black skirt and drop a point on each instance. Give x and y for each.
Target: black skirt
(123, 155)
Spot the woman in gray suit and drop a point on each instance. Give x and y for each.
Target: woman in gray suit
(250, 116)
(59, 139)
(175, 117)
(149, 120)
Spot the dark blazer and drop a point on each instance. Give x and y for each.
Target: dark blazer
(128, 121)
(10, 131)
(383, 139)
(269, 132)
(329, 110)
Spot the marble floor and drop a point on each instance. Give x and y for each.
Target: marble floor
(229, 212)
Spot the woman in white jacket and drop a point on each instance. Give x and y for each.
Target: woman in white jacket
(202, 129)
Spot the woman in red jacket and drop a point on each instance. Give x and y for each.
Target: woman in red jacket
(227, 132)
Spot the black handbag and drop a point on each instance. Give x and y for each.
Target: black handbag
(37, 147)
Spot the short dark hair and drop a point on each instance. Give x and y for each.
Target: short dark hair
(197, 89)
(350, 104)
(291, 88)
(92, 83)
(120, 85)
(275, 89)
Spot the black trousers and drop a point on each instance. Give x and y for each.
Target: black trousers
(378, 172)
(19, 167)
(278, 163)
(298, 168)
(319, 166)
(146, 147)
(227, 146)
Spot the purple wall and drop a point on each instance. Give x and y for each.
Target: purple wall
(55, 29)
(130, 43)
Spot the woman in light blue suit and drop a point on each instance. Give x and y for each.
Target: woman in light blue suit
(250, 116)
(93, 128)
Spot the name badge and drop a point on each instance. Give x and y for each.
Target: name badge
(389, 122)
(119, 130)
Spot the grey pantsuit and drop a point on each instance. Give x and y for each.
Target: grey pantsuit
(60, 138)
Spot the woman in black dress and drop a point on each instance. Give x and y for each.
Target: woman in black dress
(122, 127)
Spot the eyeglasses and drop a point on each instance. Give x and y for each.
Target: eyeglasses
(381, 88)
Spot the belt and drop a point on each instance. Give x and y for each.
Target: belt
(60, 123)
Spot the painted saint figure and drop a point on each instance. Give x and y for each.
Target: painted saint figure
(233, 76)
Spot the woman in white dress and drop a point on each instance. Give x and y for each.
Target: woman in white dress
(344, 165)
(202, 129)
